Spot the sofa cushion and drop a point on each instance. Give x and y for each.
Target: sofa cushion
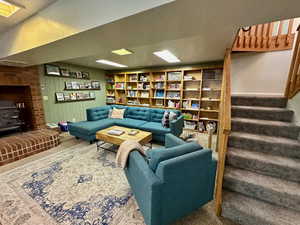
(97, 113)
(138, 113)
(127, 122)
(155, 156)
(155, 128)
(91, 127)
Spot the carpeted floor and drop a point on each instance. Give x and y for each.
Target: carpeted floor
(74, 184)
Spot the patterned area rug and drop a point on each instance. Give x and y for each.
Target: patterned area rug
(77, 186)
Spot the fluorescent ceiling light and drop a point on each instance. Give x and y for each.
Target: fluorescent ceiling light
(107, 62)
(122, 51)
(167, 56)
(7, 9)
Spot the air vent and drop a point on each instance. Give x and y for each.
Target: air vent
(13, 63)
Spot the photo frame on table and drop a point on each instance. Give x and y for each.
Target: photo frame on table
(64, 72)
(95, 85)
(60, 96)
(52, 70)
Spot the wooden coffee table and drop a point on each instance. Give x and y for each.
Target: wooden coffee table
(143, 137)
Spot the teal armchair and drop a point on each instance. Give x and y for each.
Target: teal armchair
(172, 181)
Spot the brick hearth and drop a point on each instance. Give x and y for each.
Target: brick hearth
(19, 146)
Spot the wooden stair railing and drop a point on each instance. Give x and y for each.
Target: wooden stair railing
(224, 129)
(275, 36)
(293, 82)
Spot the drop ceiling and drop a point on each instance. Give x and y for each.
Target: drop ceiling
(31, 7)
(194, 30)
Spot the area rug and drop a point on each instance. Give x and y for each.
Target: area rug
(78, 186)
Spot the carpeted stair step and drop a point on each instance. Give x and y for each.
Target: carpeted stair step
(266, 127)
(272, 145)
(273, 190)
(276, 166)
(263, 113)
(248, 211)
(264, 101)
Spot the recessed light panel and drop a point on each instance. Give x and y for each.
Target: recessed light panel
(167, 56)
(107, 62)
(7, 9)
(122, 51)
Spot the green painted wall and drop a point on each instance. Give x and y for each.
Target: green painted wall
(71, 111)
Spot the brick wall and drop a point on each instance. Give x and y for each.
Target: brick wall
(27, 76)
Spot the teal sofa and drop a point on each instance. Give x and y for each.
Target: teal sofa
(172, 181)
(148, 119)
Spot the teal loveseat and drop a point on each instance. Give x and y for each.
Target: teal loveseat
(148, 119)
(172, 181)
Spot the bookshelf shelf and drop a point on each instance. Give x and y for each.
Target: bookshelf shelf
(196, 91)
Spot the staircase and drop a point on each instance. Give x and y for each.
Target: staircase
(262, 174)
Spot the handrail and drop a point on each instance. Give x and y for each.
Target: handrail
(224, 129)
(275, 36)
(293, 81)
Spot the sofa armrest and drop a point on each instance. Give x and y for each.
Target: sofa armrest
(177, 126)
(172, 141)
(146, 187)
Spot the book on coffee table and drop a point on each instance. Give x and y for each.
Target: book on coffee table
(115, 132)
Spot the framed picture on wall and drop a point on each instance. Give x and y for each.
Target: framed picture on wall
(60, 96)
(64, 72)
(67, 96)
(92, 95)
(68, 85)
(73, 96)
(85, 75)
(96, 85)
(52, 70)
(79, 75)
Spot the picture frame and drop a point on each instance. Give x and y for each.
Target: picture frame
(60, 96)
(75, 85)
(67, 97)
(96, 85)
(92, 95)
(88, 85)
(52, 70)
(85, 75)
(64, 72)
(73, 96)
(73, 74)
(79, 75)
(68, 85)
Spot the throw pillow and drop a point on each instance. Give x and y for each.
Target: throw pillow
(109, 113)
(165, 119)
(117, 113)
(172, 116)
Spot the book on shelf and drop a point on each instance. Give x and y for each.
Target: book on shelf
(159, 94)
(174, 76)
(173, 94)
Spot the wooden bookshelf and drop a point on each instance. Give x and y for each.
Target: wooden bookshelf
(194, 91)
